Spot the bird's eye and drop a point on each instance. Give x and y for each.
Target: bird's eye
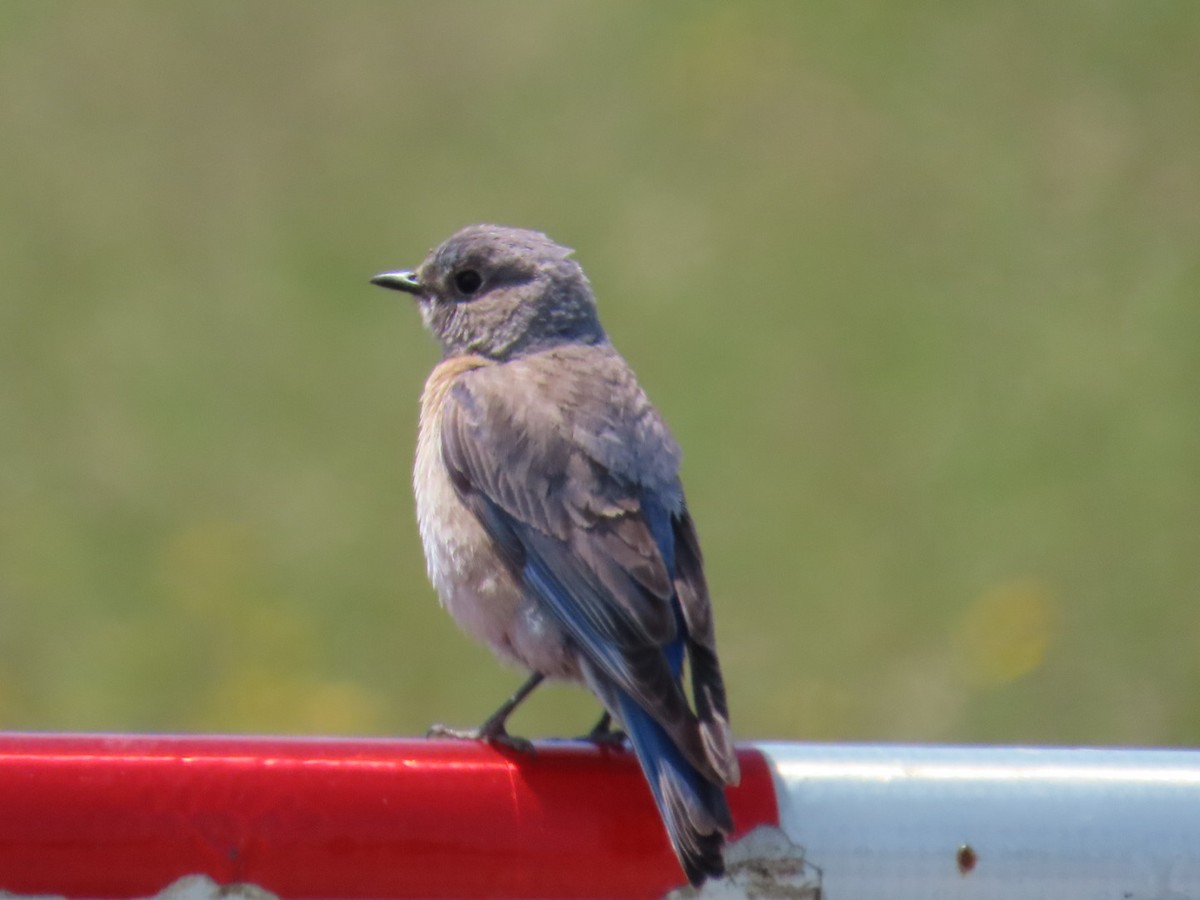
(468, 281)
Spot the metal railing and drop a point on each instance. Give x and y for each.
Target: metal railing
(126, 816)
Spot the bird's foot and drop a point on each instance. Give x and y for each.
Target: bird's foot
(614, 739)
(493, 730)
(491, 734)
(604, 735)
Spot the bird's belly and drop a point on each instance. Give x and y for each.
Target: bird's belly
(473, 582)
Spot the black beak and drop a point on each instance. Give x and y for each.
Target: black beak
(399, 281)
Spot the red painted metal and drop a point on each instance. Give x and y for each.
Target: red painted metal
(123, 816)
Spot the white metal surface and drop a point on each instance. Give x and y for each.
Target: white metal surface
(898, 822)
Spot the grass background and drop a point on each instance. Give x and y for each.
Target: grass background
(917, 286)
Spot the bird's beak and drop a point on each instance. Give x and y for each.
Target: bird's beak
(399, 281)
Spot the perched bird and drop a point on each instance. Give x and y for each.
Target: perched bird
(553, 519)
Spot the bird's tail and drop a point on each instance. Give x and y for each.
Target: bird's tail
(692, 807)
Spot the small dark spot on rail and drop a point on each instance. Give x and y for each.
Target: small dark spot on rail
(966, 858)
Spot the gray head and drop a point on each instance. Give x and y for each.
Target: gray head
(501, 292)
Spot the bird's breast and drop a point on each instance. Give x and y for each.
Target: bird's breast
(471, 580)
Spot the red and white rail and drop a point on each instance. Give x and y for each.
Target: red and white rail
(118, 816)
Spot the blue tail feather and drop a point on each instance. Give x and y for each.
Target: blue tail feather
(694, 809)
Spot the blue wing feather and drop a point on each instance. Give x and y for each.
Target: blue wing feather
(597, 548)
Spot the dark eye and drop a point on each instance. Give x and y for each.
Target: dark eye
(468, 281)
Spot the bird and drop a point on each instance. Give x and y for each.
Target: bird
(554, 522)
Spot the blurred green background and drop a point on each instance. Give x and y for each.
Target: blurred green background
(917, 286)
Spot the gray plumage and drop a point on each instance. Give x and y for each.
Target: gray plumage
(553, 518)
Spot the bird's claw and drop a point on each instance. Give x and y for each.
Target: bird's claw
(604, 735)
(512, 742)
(438, 730)
(498, 736)
(613, 738)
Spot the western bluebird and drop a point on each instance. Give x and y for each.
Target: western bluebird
(554, 522)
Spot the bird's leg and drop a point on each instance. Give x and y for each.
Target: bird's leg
(493, 729)
(604, 735)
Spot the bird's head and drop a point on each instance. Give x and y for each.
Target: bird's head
(501, 292)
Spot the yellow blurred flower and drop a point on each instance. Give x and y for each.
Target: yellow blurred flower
(1006, 633)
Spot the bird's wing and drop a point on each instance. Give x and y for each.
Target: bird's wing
(572, 473)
